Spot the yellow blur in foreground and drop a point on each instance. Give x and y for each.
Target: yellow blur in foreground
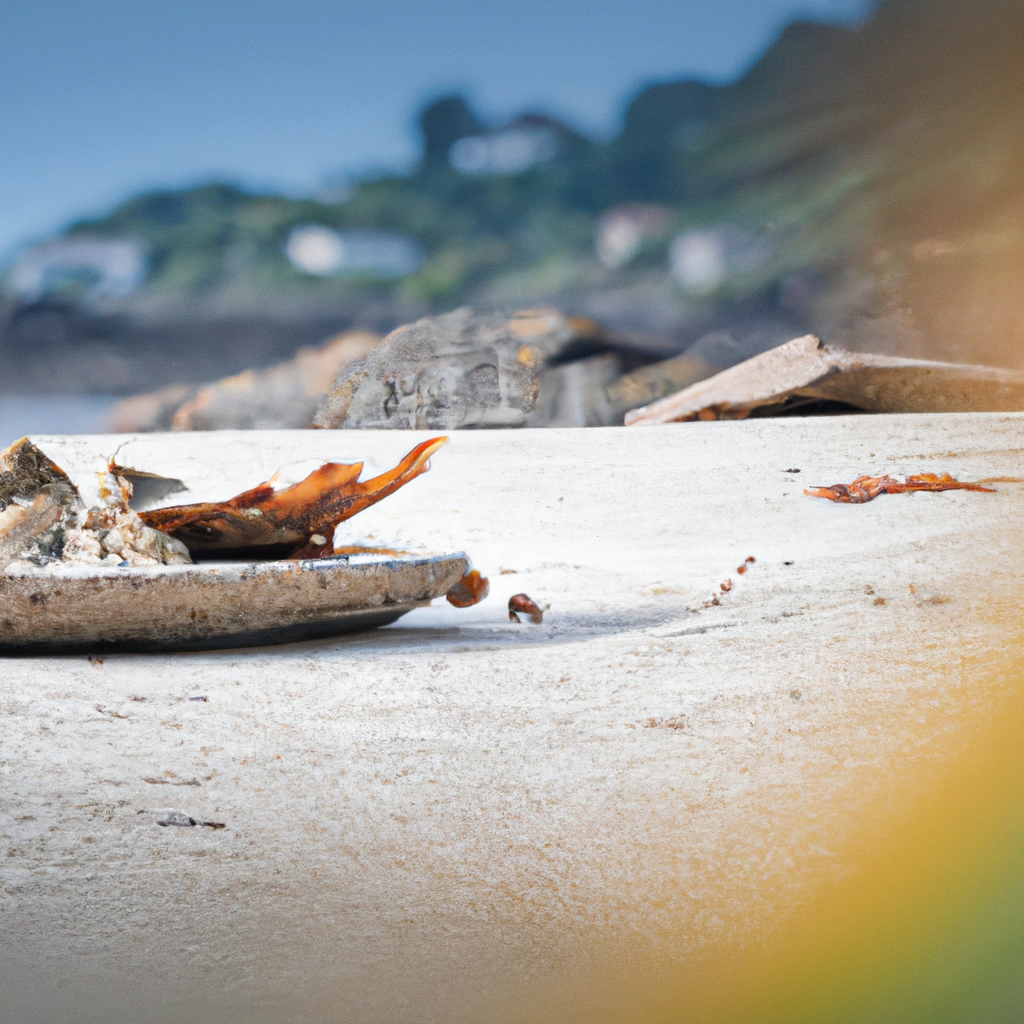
(921, 919)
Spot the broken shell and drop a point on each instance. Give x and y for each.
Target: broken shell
(525, 605)
(470, 590)
(68, 608)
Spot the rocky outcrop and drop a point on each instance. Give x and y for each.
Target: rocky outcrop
(284, 396)
(467, 369)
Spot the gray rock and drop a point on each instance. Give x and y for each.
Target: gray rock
(576, 394)
(650, 383)
(466, 369)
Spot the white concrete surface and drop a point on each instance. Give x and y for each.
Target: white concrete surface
(419, 817)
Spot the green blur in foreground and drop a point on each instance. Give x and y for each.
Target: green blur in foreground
(927, 924)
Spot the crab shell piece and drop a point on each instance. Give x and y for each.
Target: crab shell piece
(297, 522)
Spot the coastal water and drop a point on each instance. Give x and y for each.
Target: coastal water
(52, 414)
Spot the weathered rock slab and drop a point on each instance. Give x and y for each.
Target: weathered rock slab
(469, 370)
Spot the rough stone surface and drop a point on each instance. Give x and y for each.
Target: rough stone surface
(282, 396)
(421, 819)
(459, 370)
(806, 369)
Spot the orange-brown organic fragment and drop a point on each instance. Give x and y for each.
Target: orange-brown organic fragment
(470, 590)
(525, 605)
(297, 522)
(867, 488)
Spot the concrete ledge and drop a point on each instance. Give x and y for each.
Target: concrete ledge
(415, 814)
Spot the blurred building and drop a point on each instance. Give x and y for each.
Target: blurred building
(94, 266)
(700, 261)
(324, 252)
(622, 231)
(526, 142)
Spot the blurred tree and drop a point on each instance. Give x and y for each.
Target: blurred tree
(442, 124)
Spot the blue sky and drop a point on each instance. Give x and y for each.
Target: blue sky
(100, 99)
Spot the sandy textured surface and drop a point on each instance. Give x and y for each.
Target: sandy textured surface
(417, 816)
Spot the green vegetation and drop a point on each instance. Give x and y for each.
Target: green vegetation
(876, 172)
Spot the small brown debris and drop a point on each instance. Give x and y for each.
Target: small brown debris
(867, 488)
(676, 722)
(109, 711)
(470, 590)
(879, 601)
(750, 559)
(726, 586)
(521, 603)
(95, 659)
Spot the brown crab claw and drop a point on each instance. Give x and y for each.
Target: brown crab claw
(297, 522)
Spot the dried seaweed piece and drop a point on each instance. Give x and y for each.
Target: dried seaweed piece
(867, 488)
(297, 522)
(470, 590)
(524, 604)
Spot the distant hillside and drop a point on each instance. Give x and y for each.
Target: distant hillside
(864, 184)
